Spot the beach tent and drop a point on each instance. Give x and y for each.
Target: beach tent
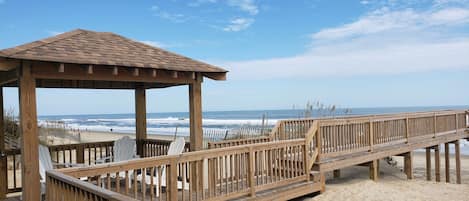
(95, 60)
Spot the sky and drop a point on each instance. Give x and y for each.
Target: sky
(381, 53)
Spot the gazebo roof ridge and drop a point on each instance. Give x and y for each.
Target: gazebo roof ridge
(105, 48)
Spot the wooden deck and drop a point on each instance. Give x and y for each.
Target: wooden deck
(290, 163)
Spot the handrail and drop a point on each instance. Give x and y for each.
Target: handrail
(220, 173)
(236, 142)
(345, 136)
(63, 187)
(312, 153)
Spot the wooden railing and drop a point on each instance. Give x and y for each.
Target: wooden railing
(83, 153)
(336, 136)
(291, 129)
(215, 174)
(61, 187)
(13, 160)
(153, 147)
(237, 142)
(351, 135)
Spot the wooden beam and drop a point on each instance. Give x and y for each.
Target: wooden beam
(91, 84)
(457, 153)
(408, 165)
(42, 70)
(447, 166)
(140, 118)
(428, 163)
(8, 76)
(135, 73)
(174, 74)
(9, 64)
(3, 158)
(153, 73)
(215, 76)
(374, 172)
(29, 139)
(437, 163)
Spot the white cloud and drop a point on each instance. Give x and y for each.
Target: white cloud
(384, 41)
(364, 2)
(174, 17)
(200, 2)
(245, 5)
(238, 24)
(248, 6)
(384, 20)
(358, 60)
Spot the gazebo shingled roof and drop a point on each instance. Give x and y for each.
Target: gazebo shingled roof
(95, 60)
(104, 48)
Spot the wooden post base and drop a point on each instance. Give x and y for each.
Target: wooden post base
(408, 165)
(428, 163)
(437, 163)
(336, 173)
(374, 170)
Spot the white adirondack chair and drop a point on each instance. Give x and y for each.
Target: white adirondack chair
(46, 164)
(125, 149)
(175, 148)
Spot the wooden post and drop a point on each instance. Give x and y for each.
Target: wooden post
(447, 176)
(457, 153)
(3, 157)
(371, 136)
(336, 173)
(29, 140)
(437, 163)
(173, 181)
(407, 129)
(429, 163)
(251, 171)
(322, 178)
(434, 125)
(374, 170)
(196, 131)
(80, 153)
(140, 118)
(195, 110)
(408, 165)
(456, 122)
(319, 143)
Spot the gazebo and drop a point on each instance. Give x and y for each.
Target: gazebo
(95, 60)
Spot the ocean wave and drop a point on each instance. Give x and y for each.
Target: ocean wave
(173, 121)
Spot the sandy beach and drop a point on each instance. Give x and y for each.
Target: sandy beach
(354, 185)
